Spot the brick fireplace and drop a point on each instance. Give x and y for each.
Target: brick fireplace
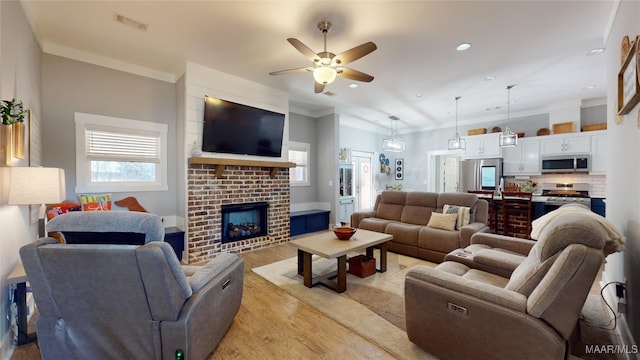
(215, 182)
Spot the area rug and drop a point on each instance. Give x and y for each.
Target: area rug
(373, 307)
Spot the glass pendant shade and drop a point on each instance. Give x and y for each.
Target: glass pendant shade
(392, 144)
(324, 75)
(508, 138)
(456, 142)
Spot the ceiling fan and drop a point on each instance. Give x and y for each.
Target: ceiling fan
(327, 65)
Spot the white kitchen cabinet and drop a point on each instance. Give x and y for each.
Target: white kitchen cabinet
(523, 159)
(483, 146)
(565, 144)
(599, 154)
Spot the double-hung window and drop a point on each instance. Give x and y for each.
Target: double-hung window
(114, 154)
(299, 154)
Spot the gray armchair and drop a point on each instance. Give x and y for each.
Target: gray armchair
(461, 311)
(128, 301)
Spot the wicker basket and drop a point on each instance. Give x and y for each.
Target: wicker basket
(563, 128)
(594, 127)
(477, 131)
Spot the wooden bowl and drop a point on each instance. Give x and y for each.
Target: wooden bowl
(344, 232)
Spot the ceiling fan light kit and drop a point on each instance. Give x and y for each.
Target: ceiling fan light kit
(508, 138)
(324, 75)
(327, 65)
(456, 142)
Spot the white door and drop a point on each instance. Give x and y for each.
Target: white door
(363, 179)
(450, 173)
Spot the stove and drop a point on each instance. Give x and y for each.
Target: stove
(560, 194)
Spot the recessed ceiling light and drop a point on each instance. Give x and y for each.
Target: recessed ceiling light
(589, 87)
(353, 85)
(595, 51)
(419, 95)
(463, 47)
(489, 77)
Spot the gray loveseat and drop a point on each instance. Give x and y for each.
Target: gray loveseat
(405, 215)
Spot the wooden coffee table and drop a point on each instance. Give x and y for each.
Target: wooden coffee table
(327, 245)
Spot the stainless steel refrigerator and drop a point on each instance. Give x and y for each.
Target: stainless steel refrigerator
(480, 174)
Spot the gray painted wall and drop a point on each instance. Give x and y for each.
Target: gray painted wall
(21, 78)
(303, 129)
(71, 86)
(328, 177)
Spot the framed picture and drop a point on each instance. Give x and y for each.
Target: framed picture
(399, 168)
(628, 81)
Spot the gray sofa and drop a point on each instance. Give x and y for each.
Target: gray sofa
(405, 215)
(129, 302)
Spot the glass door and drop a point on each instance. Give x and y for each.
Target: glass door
(363, 179)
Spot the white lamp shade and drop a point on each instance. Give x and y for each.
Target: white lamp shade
(324, 75)
(36, 186)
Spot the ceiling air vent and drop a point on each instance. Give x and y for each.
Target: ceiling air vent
(130, 22)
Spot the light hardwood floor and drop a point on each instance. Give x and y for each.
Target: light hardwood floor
(272, 324)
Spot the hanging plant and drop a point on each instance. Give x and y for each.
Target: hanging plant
(12, 112)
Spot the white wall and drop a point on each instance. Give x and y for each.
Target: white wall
(623, 189)
(20, 78)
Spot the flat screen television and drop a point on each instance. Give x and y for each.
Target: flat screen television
(240, 129)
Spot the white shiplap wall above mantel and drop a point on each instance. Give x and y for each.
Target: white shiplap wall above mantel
(201, 81)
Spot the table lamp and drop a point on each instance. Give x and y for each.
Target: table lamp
(36, 186)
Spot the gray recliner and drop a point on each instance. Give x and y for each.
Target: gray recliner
(457, 311)
(128, 301)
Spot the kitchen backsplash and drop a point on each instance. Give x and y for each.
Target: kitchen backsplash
(597, 183)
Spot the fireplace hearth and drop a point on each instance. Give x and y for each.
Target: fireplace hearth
(244, 221)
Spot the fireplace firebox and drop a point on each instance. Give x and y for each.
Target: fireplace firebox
(244, 221)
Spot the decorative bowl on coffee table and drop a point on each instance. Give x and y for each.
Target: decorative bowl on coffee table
(344, 232)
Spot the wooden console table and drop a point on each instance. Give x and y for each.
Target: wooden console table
(18, 277)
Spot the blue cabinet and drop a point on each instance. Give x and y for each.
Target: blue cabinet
(303, 222)
(599, 206)
(175, 238)
(538, 209)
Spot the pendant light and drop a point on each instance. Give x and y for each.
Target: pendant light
(392, 144)
(457, 143)
(508, 138)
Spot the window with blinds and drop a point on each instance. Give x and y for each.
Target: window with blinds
(129, 156)
(299, 154)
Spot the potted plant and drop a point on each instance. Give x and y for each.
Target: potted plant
(12, 112)
(12, 115)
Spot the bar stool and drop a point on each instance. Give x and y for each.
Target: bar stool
(493, 214)
(516, 205)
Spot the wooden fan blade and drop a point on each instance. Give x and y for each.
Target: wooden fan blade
(317, 87)
(302, 69)
(354, 53)
(304, 50)
(354, 75)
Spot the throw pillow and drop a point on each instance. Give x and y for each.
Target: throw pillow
(100, 202)
(443, 221)
(463, 212)
(54, 210)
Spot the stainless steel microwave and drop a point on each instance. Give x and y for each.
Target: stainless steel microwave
(566, 164)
